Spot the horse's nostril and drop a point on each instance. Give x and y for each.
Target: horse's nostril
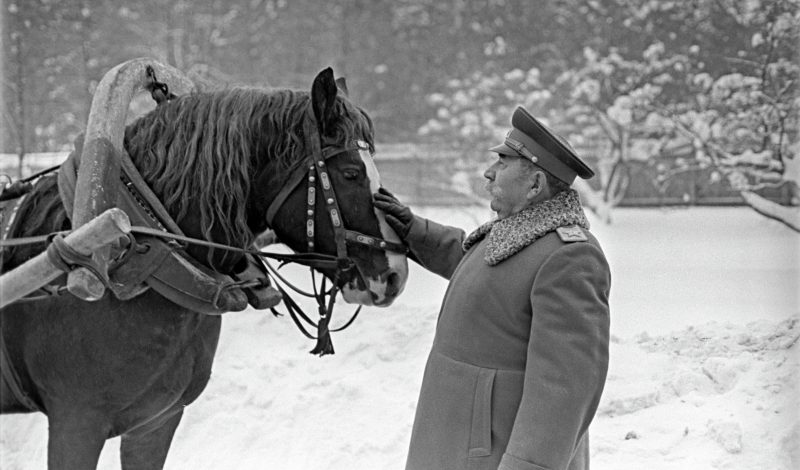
(392, 284)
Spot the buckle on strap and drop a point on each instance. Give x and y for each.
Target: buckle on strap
(520, 147)
(375, 242)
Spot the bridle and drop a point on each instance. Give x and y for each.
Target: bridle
(316, 165)
(315, 171)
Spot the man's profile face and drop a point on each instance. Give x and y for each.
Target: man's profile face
(509, 183)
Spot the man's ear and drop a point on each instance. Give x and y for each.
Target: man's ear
(538, 185)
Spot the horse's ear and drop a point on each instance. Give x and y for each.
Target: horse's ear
(342, 85)
(323, 97)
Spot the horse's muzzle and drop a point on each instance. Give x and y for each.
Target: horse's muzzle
(378, 292)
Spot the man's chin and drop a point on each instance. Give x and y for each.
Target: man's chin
(495, 208)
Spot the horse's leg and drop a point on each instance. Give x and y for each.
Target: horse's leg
(146, 448)
(75, 439)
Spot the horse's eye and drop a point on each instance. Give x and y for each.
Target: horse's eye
(351, 174)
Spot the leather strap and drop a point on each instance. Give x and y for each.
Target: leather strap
(315, 169)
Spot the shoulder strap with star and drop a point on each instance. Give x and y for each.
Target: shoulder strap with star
(571, 233)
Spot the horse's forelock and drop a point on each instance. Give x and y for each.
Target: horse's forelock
(354, 124)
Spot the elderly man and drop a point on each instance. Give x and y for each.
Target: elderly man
(520, 355)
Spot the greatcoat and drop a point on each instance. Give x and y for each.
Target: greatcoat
(520, 355)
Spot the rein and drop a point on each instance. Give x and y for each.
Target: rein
(315, 261)
(314, 170)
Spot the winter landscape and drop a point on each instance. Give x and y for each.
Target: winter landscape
(692, 104)
(704, 363)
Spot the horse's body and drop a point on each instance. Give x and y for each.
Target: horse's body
(109, 368)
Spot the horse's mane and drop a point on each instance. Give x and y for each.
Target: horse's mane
(203, 150)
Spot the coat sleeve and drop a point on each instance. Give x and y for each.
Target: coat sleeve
(567, 359)
(436, 247)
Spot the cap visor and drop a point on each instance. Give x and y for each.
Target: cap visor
(536, 130)
(504, 149)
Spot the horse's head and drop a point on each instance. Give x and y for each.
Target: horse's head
(219, 160)
(304, 214)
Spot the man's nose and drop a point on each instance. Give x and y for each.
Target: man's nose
(489, 173)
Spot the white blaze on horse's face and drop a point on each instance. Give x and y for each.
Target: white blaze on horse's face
(394, 279)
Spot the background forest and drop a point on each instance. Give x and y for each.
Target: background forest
(688, 94)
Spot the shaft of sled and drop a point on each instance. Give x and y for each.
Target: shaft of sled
(38, 271)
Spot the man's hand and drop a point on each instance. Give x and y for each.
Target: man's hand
(398, 216)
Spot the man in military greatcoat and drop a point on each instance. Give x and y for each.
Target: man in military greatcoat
(520, 354)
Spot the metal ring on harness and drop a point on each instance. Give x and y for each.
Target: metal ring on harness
(159, 91)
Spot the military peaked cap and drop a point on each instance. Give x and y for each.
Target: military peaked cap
(531, 139)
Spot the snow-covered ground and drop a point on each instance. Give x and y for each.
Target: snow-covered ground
(704, 363)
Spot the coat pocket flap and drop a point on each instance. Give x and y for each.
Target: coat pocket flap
(480, 441)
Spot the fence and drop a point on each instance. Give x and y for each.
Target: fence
(695, 187)
(431, 175)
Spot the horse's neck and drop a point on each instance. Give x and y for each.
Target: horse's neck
(191, 225)
(220, 260)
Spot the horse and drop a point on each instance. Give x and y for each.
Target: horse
(217, 161)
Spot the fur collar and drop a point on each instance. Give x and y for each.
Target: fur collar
(505, 237)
